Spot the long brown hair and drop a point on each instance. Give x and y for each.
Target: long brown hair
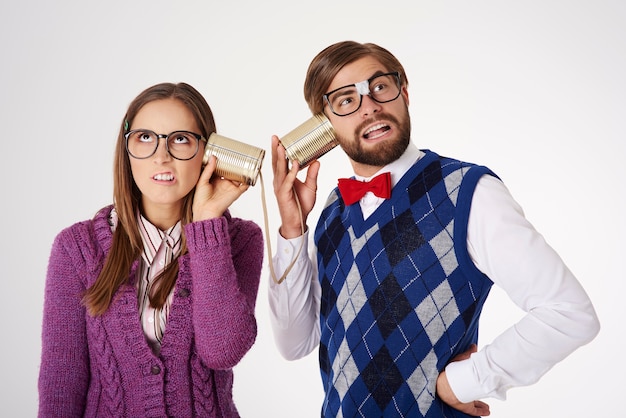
(333, 58)
(127, 242)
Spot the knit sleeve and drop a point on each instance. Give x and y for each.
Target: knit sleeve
(64, 371)
(226, 257)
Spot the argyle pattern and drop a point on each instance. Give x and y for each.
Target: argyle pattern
(400, 296)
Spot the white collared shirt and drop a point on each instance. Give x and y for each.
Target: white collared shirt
(503, 245)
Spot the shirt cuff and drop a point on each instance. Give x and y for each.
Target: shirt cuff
(287, 253)
(458, 374)
(464, 382)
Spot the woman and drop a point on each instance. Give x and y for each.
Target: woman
(150, 304)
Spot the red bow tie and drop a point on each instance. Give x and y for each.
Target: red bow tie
(353, 190)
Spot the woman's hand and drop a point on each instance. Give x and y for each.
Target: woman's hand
(285, 182)
(214, 194)
(444, 391)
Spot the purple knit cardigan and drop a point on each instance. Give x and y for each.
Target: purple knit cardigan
(103, 366)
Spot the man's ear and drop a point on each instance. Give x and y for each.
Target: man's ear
(405, 93)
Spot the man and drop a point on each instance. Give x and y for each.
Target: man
(395, 291)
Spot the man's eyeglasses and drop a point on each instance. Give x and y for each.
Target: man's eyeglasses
(381, 88)
(143, 143)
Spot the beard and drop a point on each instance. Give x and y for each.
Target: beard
(384, 154)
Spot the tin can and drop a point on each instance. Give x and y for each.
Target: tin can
(236, 160)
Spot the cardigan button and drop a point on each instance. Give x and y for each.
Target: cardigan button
(155, 369)
(183, 293)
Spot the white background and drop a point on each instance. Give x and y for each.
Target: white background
(533, 89)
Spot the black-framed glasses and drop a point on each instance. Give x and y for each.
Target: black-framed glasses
(381, 88)
(143, 143)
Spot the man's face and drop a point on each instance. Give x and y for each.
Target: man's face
(377, 133)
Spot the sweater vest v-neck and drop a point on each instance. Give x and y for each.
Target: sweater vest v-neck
(400, 295)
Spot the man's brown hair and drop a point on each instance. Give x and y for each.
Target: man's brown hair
(332, 59)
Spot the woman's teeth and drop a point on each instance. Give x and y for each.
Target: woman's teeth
(164, 177)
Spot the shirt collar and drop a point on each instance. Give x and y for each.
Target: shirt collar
(153, 238)
(400, 166)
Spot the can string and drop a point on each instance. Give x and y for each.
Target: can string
(267, 240)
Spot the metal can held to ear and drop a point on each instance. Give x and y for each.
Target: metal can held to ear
(310, 140)
(236, 160)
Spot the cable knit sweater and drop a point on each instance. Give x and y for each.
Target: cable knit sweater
(103, 367)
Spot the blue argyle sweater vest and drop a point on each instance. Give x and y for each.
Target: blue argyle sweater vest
(400, 295)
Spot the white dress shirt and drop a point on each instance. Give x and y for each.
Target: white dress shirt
(504, 246)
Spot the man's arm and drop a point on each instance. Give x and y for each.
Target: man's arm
(295, 303)
(559, 315)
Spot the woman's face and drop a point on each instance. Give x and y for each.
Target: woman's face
(163, 180)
